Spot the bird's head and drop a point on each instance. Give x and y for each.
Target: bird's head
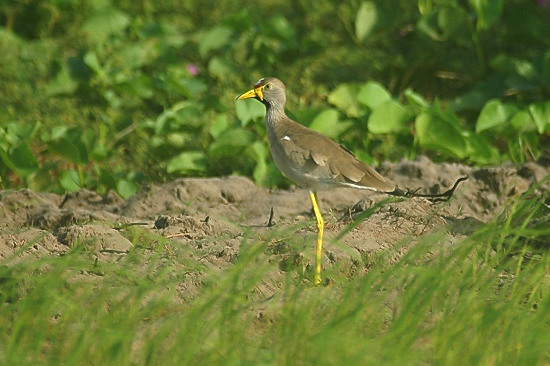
(269, 90)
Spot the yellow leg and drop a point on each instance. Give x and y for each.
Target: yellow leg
(320, 228)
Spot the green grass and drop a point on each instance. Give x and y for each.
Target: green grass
(481, 301)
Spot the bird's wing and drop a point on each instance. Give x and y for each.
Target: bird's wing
(313, 151)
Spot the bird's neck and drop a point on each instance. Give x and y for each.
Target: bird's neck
(274, 112)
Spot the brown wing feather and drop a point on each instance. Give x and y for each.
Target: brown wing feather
(309, 149)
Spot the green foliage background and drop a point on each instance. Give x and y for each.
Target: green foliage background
(106, 95)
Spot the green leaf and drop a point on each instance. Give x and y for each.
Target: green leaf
(92, 61)
(453, 23)
(494, 113)
(193, 87)
(328, 123)
(436, 133)
(416, 100)
(214, 39)
(186, 162)
(480, 151)
(219, 125)
(7, 161)
(107, 179)
(428, 25)
(488, 12)
(23, 159)
(540, 112)
(69, 181)
(220, 68)
(74, 151)
(259, 153)
(372, 94)
(546, 70)
(345, 98)
(366, 20)
(282, 28)
(140, 85)
(105, 22)
(248, 110)
(388, 117)
(62, 84)
(178, 139)
(232, 140)
(126, 188)
(522, 122)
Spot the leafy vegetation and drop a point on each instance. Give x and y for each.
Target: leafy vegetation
(106, 96)
(483, 300)
(109, 95)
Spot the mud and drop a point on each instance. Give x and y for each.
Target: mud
(213, 217)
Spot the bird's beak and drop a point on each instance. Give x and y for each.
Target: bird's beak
(254, 93)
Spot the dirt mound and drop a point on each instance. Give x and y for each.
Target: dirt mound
(212, 215)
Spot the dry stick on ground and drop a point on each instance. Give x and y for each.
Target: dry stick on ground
(438, 197)
(270, 222)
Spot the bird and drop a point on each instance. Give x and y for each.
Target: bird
(310, 159)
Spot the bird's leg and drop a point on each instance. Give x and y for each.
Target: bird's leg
(320, 229)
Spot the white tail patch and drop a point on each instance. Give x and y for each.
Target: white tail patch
(286, 138)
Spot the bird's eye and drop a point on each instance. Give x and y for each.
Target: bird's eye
(268, 86)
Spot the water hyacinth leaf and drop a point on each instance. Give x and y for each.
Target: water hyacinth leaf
(69, 181)
(73, 151)
(488, 12)
(187, 162)
(192, 87)
(328, 123)
(372, 94)
(107, 179)
(248, 110)
(366, 20)
(429, 26)
(232, 140)
(63, 83)
(126, 188)
(480, 151)
(92, 61)
(416, 101)
(104, 22)
(494, 113)
(281, 27)
(345, 98)
(259, 153)
(7, 161)
(141, 86)
(522, 122)
(453, 23)
(436, 133)
(546, 70)
(23, 159)
(219, 124)
(220, 67)
(540, 112)
(388, 117)
(215, 39)
(178, 139)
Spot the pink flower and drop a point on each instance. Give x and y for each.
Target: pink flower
(193, 69)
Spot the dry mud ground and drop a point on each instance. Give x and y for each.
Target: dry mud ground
(212, 217)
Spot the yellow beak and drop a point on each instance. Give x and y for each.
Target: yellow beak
(254, 93)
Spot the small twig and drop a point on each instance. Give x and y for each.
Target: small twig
(124, 226)
(270, 222)
(176, 235)
(438, 197)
